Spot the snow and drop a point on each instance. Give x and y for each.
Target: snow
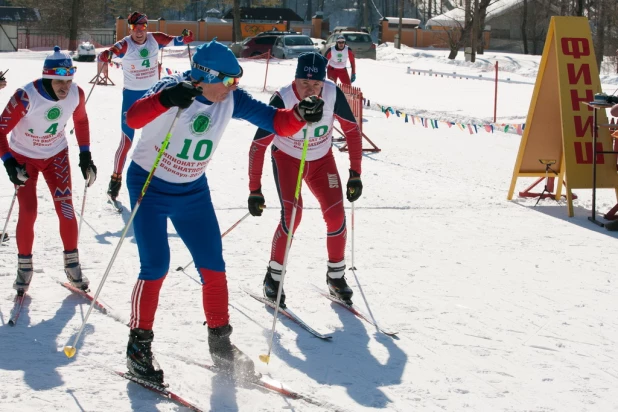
(500, 305)
(455, 16)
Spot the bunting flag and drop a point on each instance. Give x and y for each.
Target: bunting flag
(406, 118)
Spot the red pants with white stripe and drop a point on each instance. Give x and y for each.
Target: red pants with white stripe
(57, 174)
(322, 179)
(341, 74)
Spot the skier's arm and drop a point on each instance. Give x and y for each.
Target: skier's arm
(119, 49)
(80, 120)
(352, 62)
(284, 122)
(353, 137)
(149, 107)
(327, 55)
(164, 40)
(14, 111)
(261, 141)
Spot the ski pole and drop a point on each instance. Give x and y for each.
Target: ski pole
(96, 81)
(81, 215)
(180, 268)
(70, 350)
(353, 269)
(8, 216)
(288, 243)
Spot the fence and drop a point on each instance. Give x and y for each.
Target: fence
(354, 96)
(28, 38)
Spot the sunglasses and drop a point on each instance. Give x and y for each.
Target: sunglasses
(138, 26)
(227, 80)
(61, 71)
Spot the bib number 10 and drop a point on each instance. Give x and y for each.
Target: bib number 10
(201, 151)
(317, 132)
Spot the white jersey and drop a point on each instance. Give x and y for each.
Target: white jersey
(140, 63)
(320, 135)
(194, 140)
(338, 58)
(40, 133)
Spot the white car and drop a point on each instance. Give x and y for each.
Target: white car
(85, 52)
(290, 46)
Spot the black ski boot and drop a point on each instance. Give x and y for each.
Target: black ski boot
(337, 285)
(227, 357)
(140, 360)
(73, 270)
(114, 186)
(24, 274)
(271, 283)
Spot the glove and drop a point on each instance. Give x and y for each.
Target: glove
(17, 173)
(355, 186)
(310, 109)
(353, 77)
(106, 56)
(89, 170)
(256, 202)
(181, 95)
(187, 36)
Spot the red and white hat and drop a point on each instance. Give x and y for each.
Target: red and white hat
(58, 66)
(137, 18)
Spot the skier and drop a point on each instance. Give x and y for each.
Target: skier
(139, 52)
(614, 110)
(320, 172)
(179, 190)
(36, 115)
(338, 56)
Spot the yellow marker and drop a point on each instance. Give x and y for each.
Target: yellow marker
(69, 351)
(263, 358)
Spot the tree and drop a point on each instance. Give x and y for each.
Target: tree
(524, 26)
(237, 33)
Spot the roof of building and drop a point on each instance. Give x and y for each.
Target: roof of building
(456, 16)
(265, 13)
(19, 14)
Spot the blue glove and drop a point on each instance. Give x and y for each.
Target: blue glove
(353, 77)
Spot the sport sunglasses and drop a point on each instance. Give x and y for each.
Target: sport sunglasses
(228, 81)
(61, 71)
(138, 26)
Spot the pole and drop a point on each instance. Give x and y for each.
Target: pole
(96, 81)
(70, 350)
(496, 94)
(81, 215)
(266, 75)
(8, 216)
(288, 243)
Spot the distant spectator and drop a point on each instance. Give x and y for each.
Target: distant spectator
(338, 57)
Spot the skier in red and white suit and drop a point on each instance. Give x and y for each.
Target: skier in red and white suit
(320, 172)
(36, 117)
(338, 57)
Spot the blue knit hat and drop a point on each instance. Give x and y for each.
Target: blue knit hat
(214, 56)
(311, 66)
(55, 62)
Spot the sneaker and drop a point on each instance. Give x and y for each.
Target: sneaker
(140, 360)
(24, 274)
(271, 283)
(73, 270)
(114, 186)
(227, 357)
(336, 282)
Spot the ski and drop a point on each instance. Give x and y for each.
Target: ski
(159, 389)
(355, 310)
(272, 385)
(85, 294)
(115, 204)
(18, 303)
(289, 314)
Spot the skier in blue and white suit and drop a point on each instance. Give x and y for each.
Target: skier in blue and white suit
(209, 97)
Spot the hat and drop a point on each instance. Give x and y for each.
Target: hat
(214, 56)
(55, 61)
(341, 37)
(311, 66)
(137, 18)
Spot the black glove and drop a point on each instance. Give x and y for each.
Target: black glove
(355, 186)
(310, 109)
(17, 173)
(89, 170)
(256, 203)
(181, 95)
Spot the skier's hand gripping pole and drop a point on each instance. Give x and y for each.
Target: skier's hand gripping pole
(266, 358)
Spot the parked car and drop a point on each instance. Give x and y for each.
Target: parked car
(258, 44)
(291, 45)
(361, 43)
(85, 52)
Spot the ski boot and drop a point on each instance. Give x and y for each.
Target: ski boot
(114, 186)
(73, 270)
(337, 286)
(227, 357)
(140, 360)
(271, 283)
(24, 274)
